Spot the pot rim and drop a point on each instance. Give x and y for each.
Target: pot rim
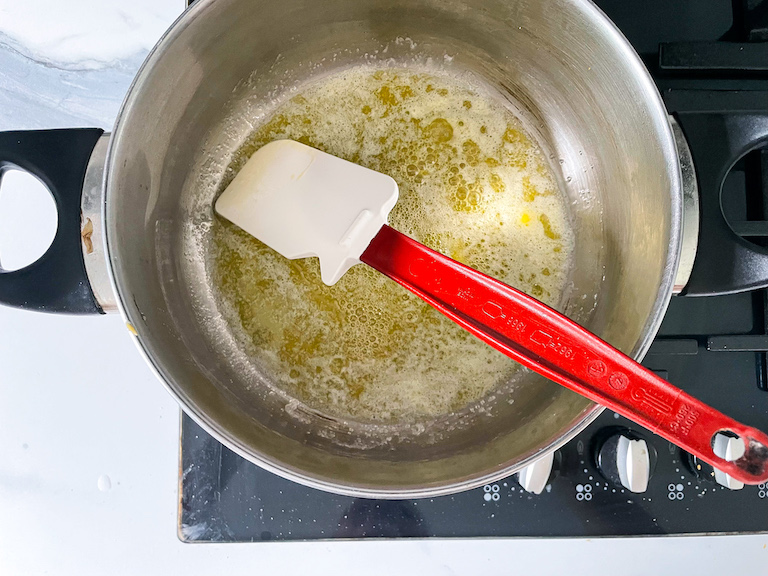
(661, 123)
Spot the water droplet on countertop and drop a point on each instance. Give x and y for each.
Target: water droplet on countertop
(104, 483)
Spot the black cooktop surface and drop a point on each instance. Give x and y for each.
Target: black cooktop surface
(709, 59)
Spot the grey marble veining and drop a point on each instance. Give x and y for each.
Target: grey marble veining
(36, 94)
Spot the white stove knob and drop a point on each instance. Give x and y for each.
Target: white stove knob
(533, 478)
(625, 459)
(633, 462)
(730, 449)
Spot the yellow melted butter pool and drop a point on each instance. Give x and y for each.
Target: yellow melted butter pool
(474, 185)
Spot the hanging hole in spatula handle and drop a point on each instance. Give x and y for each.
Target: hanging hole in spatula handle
(748, 467)
(544, 340)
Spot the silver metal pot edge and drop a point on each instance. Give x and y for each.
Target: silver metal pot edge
(92, 227)
(662, 122)
(691, 216)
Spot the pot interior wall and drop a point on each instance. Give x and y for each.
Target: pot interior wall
(564, 68)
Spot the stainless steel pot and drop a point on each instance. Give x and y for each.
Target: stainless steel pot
(561, 63)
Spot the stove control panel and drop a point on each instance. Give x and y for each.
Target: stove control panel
(613, 479)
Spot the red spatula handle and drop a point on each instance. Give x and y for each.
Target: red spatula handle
(549, 343)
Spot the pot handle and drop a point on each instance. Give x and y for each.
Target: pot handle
(57, 281)
(725, 263)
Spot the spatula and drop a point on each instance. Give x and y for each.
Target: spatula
(302, 202)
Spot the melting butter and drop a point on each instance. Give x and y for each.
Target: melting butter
(474, 185)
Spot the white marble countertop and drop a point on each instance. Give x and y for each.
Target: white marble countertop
(88, 437)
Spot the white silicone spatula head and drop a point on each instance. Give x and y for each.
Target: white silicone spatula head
(303, 202)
